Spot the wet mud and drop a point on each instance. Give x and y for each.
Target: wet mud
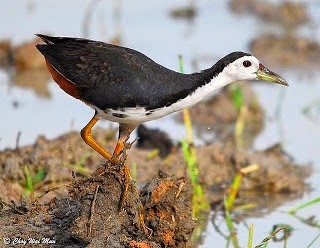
(89, 216)
(83, 209)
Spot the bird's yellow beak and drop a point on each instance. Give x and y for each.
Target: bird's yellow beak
(265, 74)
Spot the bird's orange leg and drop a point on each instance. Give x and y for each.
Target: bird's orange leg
(124, 134)
(90, 141)
(117, 152)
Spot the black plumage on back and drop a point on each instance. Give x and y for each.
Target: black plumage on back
(122, 76)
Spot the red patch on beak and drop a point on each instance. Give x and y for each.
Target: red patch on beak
(261, 67)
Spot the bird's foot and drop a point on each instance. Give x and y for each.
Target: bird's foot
(119, 159)
(115, 160)
(128, 145)
(120, 155)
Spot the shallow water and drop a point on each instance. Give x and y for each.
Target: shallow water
(147, 27)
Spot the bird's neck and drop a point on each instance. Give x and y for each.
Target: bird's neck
(205, 84)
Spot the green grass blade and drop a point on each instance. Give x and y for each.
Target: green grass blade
(200, 204)
(29, 182)
(250, 238)
(39, 176)
(233, 234)
(304, 205)
(237, 97)
(314, 240)
(236, 182)
(233, 190)
(287, 229)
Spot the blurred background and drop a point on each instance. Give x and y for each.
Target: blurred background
(285, 36)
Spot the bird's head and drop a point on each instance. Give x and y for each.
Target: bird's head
(248, 67)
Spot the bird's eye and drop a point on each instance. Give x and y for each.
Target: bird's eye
(246, 63)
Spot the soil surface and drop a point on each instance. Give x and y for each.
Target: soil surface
(84, 210)
(89, 215)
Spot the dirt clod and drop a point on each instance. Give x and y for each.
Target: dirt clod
(168, 213)
(90, 215)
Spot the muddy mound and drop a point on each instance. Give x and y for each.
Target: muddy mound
(90, 215)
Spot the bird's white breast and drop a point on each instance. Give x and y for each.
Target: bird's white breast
(139, 115)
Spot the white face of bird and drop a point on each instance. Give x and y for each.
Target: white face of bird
(250, 68)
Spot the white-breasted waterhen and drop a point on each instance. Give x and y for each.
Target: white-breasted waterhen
(125, 86)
